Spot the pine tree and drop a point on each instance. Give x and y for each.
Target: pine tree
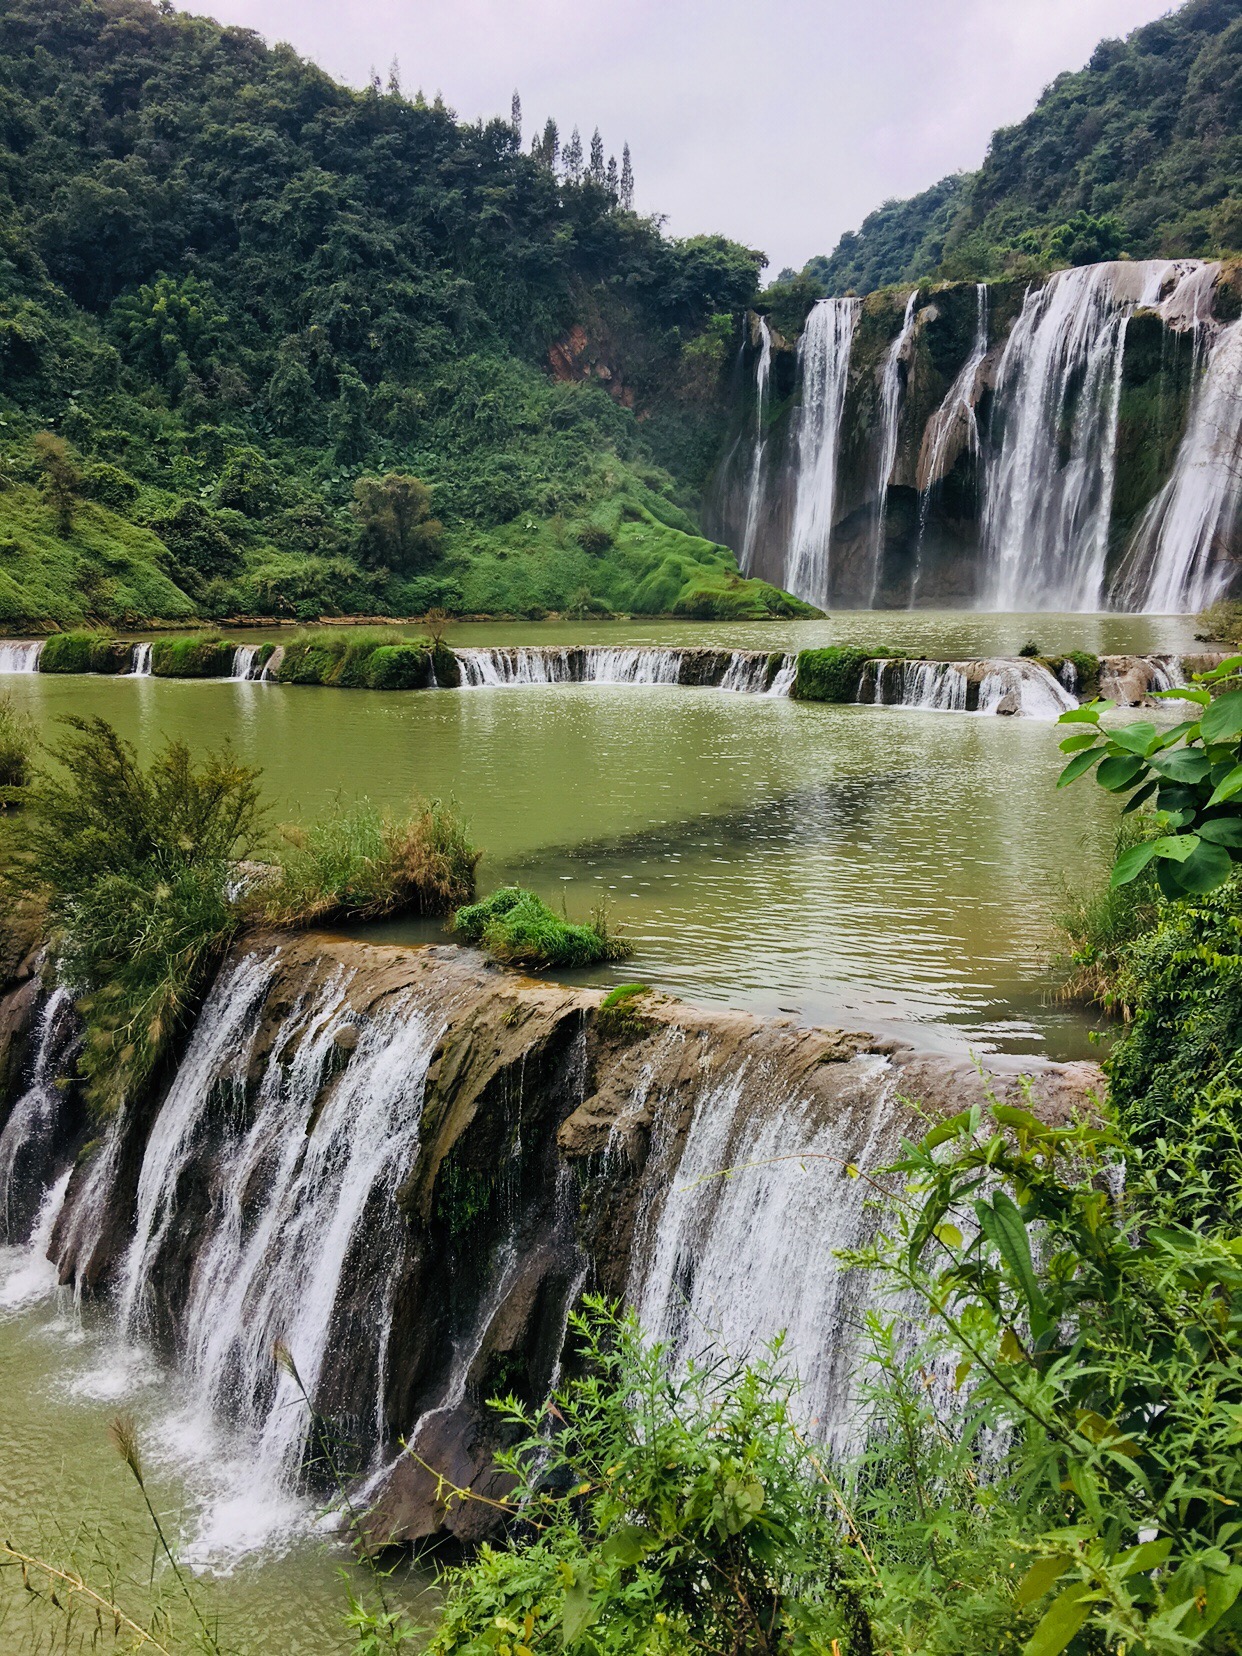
(595, 170)
(627, 178)
(551, 144)
(515, 118)
(572, 158)
(394, 78)
(612, 176)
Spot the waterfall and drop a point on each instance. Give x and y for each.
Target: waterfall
(19, 656)
(1024, 688)
(953, 428)
(1179, 560)
(28, 1141)
(933, 686)
(754, 493)
(1048, 489)
(748, 671)
(27, 1273)
(892, 385)
(1021, 688)
(140, 661)
(245, 661)
(824, 362)
(294, 1173)
(729, 1262)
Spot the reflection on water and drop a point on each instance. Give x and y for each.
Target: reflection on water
(879, 865)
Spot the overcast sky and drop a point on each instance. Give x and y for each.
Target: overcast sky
(780, 124)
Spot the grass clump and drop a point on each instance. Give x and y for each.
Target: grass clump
(133, 867)
(84, 650)
(195, 656)
(17, 742)
(519, 928)
(617, 1018)
(1101, 923)
(357, 658)
(830, 675)
(366, 863)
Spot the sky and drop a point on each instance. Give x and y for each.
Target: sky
(779, 124)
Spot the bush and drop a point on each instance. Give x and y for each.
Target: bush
(196, 656)
(520, 928)
(1101, 925)
(84, 651)
(595, 538)
(1221, 622)
(17, 742)
(134, 865)
(398, 667)
(367, 863)
(1030, 649)
(830, 675)
(356, 658)
(109, 485)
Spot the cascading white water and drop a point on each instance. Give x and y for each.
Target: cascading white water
(1022, 688)
(294, 1175)
(140, 661)
(892, 387)
(1048, 487)
(755, 490)
(824, 363)
(730, 1262)
(245, 661)
(31, 1127)
(26, 1272)
(932, 686)
(1179, 560)
(20, 655)
(521, 665)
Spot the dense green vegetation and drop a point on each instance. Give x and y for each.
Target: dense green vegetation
(17, 741)
(519, 928)
(1139, 153)
(272, 346)
(830, 675)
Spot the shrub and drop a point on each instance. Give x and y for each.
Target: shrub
(595, 538)
(1030, 649)
(398, 530)
(134, 865)
(1101, 925)
(109, 485)
(17, 742)
(196, 656)
(84, 651)
(518, 927)
(367, 863)
(1221, 622)
(341, 659)
(830, 675)
(398, 667)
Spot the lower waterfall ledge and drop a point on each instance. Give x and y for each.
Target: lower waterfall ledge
(406, 1165)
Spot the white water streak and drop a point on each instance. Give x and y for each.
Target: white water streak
(20, 655)
(755, 491)
(892, 387)
(824, 359)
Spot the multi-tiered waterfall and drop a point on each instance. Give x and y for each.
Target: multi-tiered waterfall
(1073, 445)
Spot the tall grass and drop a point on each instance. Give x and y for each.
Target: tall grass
(17, 744)
(519, 928)
(365, 863)
(1101, 923)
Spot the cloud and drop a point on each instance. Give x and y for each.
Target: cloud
(781, 126)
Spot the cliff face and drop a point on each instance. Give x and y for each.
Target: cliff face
(406, 1165)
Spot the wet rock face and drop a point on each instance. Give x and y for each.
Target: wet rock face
(529, 1145)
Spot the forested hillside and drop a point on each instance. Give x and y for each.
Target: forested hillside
(1138, 153)
(246, 313)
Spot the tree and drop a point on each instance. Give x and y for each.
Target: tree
(613, 186)
(394, 78)
(62, 481)
(398, 530)
(515, 118)
(627, 178)
(572, 158)
(595, 169)
(546, 146)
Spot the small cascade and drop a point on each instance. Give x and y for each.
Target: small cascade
(140, 661)
(755, 490)
(245, 662)
(892, 389)
(932, 686)
(824, 362)
(730, 1262)
(26, 1273)
(1048, 487)
(1179, 560)
(20, 655)
(272, 665)
(1021, 688)
(747, 671)
(28, 1143)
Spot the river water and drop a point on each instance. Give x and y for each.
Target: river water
(889, 867)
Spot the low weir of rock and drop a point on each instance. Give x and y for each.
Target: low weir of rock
(405, 1166)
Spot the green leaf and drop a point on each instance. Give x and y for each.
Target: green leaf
(1185, 765)
(946, 1130)
(1184, 692)
(1221, 831)
(1009, 1115)
(1090, 714)
(949, 1235)
(1061, 1622)
(1119, 771)
(1075, 744)
(1223, 669)
(1207, 867)
(1226, 789)
(628, 1545)
(1176, 847)
(1042, 1575)
(1223, 719)
(1005, 1228)
(578, 1612)
(1135, 738)
(1140, 798)
(1080, 763)
(1131, 863)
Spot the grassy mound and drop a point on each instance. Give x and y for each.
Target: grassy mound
(830, 675)
(84, 651)
(519, 928)
(357, 658)
(196, 656)
(367, 863)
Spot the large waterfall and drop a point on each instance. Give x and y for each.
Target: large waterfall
(1072, 462)
(824, 364)
(400, 1168)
